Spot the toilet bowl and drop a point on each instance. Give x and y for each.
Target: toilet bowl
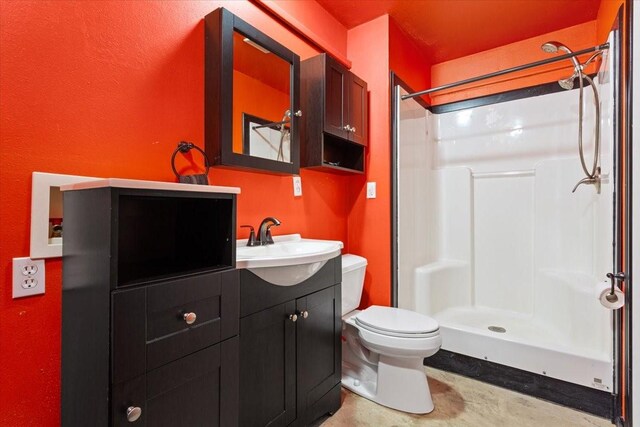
(384, 347)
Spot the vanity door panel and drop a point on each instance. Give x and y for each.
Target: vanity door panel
(198, 390)
(268, 367)
(319, 348)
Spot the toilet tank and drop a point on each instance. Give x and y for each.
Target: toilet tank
(353, 268)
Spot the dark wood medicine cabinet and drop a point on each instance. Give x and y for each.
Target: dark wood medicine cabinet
(334, 129)
(252, 92)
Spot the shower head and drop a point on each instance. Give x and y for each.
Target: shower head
(555, 47)
(567, 83)
(550, 47)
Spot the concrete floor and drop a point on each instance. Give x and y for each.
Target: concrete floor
(461, 401)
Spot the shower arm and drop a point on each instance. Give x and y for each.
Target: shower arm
(508, 71)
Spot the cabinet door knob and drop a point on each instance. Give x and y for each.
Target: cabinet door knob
(189, 318)
(305, 314)
(347, 128)
(133, 413)
(293, 317)
(298, 113)
(353, 129)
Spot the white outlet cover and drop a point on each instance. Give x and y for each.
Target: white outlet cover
(28, 277)
(371, 190)
(297, 186)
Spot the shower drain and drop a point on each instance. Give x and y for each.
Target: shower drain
(499, 329)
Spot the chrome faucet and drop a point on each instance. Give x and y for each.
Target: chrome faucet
(265, 230)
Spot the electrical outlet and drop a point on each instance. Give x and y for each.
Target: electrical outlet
(371, 190)
(28, 277)
(297, 186)
(29, 283)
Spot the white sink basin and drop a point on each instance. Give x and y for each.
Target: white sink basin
(289, 261)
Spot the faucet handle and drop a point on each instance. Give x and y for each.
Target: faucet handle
(268, 233)
(252, 235)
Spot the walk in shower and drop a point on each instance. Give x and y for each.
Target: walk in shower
(491, 241)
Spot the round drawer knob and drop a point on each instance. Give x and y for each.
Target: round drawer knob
(293, 317)
(133, 413)
(305, 314)
(189, 318)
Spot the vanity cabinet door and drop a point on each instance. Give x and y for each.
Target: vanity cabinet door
(319, 350)
(268, 367)
(335, 99)
(198, 390)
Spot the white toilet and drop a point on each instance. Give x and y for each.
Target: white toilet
(384, 347)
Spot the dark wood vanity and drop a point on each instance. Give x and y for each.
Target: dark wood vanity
(160, 329)
(150, 308)
(290, 348)
(334, 128)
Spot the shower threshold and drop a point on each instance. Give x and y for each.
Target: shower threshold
(515, 340)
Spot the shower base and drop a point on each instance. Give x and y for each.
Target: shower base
(519, 341)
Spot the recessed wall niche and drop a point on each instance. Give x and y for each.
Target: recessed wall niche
(47, 215)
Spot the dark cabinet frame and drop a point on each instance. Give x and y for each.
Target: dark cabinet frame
(128, 344)
(219, 27)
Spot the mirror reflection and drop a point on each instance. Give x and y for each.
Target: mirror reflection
(261, 101)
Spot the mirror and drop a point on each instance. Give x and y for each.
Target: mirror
(251, 97)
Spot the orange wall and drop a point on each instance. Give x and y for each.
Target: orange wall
(107, 88)
(369, 219)
(315, 23)
(577, 37)
(607, 15)
(407, 60)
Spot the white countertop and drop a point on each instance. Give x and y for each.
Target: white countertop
(148, 185)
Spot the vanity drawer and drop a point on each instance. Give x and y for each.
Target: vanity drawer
(151, 325)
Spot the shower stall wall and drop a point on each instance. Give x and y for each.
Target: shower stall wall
(493, 244)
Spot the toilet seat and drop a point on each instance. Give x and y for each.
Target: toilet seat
(396, 322)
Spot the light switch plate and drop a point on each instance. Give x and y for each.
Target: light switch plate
(297, 186)
(28, 277)
(371, 190)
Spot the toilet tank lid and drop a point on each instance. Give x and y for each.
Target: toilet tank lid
(352, 262)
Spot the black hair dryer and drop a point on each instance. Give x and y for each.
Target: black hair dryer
(200, 179)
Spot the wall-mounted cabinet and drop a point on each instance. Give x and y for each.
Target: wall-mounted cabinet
(251, 97)
(334, 125)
